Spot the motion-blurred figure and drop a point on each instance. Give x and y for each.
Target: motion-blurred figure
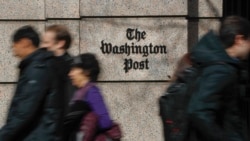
(94, 123)
(35, 111)
(215, 108)
(57, 39)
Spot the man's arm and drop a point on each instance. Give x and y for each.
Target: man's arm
(98, 106)
(31, 97)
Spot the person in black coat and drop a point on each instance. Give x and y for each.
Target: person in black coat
(35, 109)
(57, 39)
(214, 108)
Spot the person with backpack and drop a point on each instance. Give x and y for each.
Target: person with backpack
(204, 101)
(214, 109)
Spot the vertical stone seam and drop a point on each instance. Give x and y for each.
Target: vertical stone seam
(45, 11)
(79, 24)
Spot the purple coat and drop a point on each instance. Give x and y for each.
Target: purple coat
(92, 95)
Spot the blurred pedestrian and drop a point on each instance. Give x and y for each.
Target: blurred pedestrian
(215, 107)
(58, 39)
(34, 112)
(96, 120)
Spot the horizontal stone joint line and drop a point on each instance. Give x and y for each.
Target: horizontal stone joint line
(132, 81)
(137, 16)
(8, 83)
(113, 81)
(203, 18)
(144, 16)
(34, 20)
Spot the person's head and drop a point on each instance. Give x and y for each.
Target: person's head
(85, 68)
(25, 41)
(57, 39)
(234, 33)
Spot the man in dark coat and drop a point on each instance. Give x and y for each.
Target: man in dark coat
(35, 109)
(214, 109)
(57, 39)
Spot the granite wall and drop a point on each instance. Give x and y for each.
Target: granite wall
(138, 43)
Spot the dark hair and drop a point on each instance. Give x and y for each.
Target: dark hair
(183, 63)
(232, 26)
(61, 33)
(89, 63)
(26, 32)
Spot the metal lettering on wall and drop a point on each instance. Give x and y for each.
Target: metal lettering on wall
(133, 48)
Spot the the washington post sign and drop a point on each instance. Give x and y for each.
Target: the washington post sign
(131, 49)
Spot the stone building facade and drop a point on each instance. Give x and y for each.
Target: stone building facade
(137, 41)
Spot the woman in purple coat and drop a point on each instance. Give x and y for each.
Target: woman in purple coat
(83, 74)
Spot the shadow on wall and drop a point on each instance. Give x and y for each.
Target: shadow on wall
(193, 20)
(193, 27)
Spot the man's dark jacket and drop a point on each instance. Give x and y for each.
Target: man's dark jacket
(63, 65)
(214, 109)
(36, 109)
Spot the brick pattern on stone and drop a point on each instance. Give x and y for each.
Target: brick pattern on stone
(133, 105)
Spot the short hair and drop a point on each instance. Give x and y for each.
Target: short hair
(28, 32)
(61, 33)
(232, 26)
(88, 62)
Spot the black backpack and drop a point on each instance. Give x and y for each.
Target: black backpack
(173, 105)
